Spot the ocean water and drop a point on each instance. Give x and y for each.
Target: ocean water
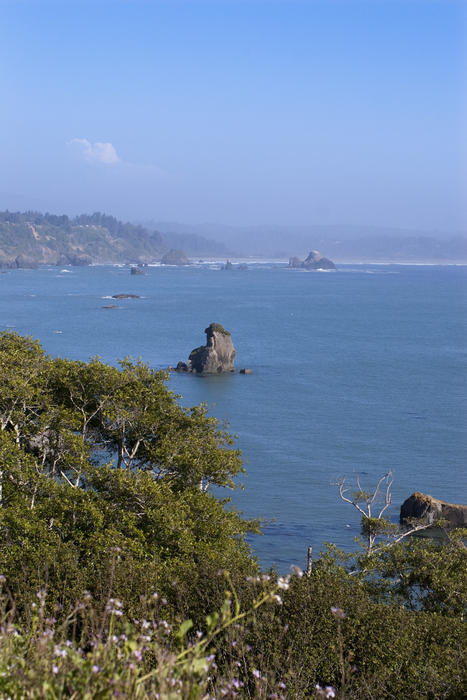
(355, 372)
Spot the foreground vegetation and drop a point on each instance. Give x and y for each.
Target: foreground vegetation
(123, 575)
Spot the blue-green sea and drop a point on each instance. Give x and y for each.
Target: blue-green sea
(358, 371)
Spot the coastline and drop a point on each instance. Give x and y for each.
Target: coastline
(216, 263)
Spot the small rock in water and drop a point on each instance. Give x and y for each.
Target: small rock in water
(245, 370)
(125, 296)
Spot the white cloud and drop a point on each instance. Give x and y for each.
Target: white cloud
(97, 152)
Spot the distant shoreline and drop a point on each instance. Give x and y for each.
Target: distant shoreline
(282, 261)
(245, 260)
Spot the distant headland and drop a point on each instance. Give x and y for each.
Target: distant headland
(29, 239)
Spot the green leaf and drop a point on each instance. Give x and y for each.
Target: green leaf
(183, 629)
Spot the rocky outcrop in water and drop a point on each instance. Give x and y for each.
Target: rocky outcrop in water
(314, 261)
(175, 257)
(432, 510)
(136, 271)
(217, 356)
(125, 296)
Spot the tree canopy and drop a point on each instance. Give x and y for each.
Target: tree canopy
(94, 456)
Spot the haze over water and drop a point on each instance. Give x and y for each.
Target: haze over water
(358, 371)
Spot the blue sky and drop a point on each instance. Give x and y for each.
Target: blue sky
(241, 112)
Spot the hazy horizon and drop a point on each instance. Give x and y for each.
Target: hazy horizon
(261, 113)
(338, 241)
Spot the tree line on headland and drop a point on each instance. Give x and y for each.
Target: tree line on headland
(123, 575)
(28, 239)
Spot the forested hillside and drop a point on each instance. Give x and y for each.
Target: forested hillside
(31, 238)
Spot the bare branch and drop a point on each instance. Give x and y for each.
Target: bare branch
(388, 497)
(67, 479)
(343, 491)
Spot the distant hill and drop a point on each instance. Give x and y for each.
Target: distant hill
(339, 242)
(192, 243)
(31, 238)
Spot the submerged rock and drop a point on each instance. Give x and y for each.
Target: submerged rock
(217, 356)
(314, 261)
(431, 510)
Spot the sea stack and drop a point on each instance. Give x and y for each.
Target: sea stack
(313, 261)
(217, 356)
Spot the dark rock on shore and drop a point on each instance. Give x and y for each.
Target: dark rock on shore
(20, 262)
(25, 263)
(314, 261)
(217, 356)
(431, 510)
(125, 296)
